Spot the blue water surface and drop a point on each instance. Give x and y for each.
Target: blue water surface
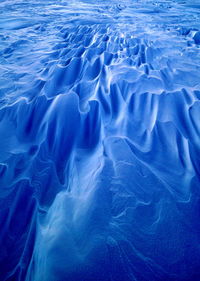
(99, 140)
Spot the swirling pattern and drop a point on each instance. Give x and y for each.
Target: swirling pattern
(100, 140)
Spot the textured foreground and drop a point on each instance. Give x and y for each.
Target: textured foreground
(99, 140)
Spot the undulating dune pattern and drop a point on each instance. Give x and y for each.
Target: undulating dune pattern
(99, 140)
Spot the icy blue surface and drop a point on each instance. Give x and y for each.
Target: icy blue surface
(99, 140)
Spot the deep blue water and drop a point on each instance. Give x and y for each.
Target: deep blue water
(99, 140)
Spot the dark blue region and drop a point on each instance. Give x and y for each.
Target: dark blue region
(99, 140)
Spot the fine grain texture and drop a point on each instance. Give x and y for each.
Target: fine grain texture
(99, 140)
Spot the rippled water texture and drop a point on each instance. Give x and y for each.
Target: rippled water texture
(99, 140)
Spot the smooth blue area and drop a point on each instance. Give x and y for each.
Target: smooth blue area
(99, 140)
